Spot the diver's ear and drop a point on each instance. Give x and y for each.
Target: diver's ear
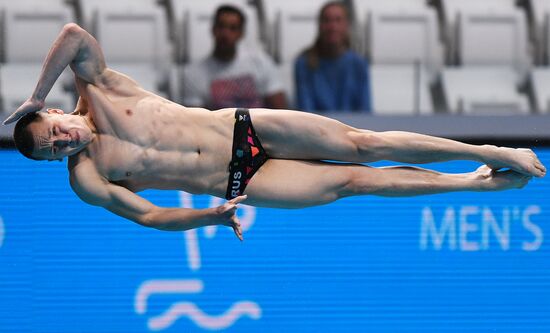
(57, 111)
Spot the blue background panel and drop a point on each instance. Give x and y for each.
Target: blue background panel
(459, 262)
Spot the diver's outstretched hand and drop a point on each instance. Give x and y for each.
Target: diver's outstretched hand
(31, 105)
(227, 216)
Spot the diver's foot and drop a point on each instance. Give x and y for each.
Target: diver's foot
(521, 160)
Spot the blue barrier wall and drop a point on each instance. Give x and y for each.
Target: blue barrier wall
(461, 262)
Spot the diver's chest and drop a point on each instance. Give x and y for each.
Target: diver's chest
(119, 160)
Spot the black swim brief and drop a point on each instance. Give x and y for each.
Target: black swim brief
(247, 156)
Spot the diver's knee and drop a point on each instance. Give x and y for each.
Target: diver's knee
(367, 143)
(359, 184)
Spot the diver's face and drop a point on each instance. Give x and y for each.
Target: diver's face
(57, 135)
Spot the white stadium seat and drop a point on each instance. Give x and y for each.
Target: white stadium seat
(368, 5)
(541, 30)
(136, 36)
(492, 48)
(540, 81)
(35, 4)
(405, 37)
(483, 90)
(400, 89)
(452, 9)
(175, 85)
(286, 72)
(180, 6)
(546, 45)
(296, 31)
(135, 40)
(276, 12)
(361, 10)
(29, 33)
(272, 7)
(496, 38)
(540, 9)
(406, 57)
(89, 8)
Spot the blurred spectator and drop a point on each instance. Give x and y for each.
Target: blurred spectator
(232, 76)
(330, 76)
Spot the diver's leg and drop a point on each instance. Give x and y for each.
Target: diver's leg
(297, 184)
(299, 135)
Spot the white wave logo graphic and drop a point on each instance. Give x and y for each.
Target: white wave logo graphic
(186, 309)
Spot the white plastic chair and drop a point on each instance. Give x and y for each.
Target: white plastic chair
(483, 90)
(29, 34)
(407, 37)
(134, 41)
(495, 38)
(540, 81)
(400, 89)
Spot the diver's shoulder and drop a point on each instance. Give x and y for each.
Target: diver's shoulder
(79, 163)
